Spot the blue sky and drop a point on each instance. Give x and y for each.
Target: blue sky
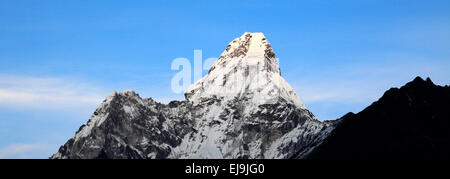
(59, 59)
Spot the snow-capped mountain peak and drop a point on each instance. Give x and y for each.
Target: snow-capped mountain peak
(242, 108)
(246, 69)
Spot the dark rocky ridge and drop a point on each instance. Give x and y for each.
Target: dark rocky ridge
(412, 122)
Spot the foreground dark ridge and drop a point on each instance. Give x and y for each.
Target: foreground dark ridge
(407, 123)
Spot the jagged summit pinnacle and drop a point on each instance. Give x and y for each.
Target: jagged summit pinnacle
(124, 92)
(247, 69)
(419, 79)
(250, 46)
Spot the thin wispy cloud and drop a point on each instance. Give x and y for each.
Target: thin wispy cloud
(46, 93)
(25, 150)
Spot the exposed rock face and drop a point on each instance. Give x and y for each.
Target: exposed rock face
(243, 108)
(127, 126)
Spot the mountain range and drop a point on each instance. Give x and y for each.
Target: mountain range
(244, 109)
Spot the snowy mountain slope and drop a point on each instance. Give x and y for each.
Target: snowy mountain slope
(242, 108)
(253, 112)
(247, 68)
